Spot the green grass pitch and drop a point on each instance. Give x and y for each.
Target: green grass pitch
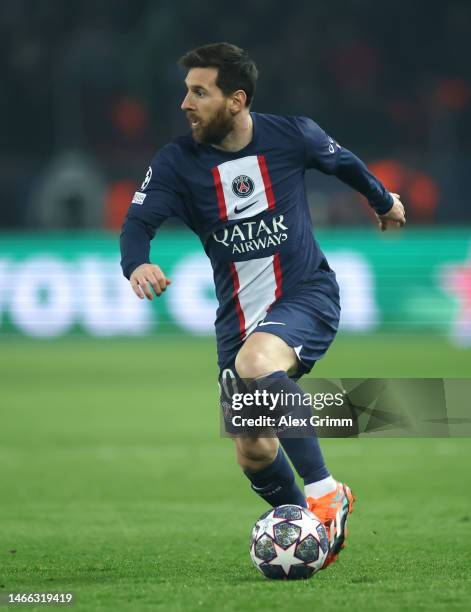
(116, 485)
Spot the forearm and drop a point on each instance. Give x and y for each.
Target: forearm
(352, 171)
(135, 244)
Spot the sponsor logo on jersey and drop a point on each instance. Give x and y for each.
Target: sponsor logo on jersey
(243, 186)
(146, 181)
(253, 235)
(139, 198)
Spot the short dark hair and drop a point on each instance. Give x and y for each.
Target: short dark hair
(235, 68)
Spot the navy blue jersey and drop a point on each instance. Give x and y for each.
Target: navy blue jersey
(250, 211)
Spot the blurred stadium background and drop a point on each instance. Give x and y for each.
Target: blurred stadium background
(90, 92)
(91, 421)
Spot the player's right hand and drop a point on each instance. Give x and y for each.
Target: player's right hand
(146, 276)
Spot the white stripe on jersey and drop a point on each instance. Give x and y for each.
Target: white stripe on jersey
(257, 289)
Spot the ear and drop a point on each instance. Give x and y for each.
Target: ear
(238, 101)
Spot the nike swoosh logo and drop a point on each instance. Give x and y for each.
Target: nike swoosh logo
(238, 210)
(271, 323)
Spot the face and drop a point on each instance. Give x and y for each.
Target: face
(209, 112)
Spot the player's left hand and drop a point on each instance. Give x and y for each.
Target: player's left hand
(396, 216)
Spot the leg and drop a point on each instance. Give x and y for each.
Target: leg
(261, 458)
(267, 468)
(268, 362)
(268, 359)
(308, 321)
(255, 454)
(263, 353)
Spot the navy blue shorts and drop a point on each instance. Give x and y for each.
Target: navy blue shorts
(307, 320)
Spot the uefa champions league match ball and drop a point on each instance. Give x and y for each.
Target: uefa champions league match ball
(288, 543)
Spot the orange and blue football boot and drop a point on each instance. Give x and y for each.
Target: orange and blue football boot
(333, 510)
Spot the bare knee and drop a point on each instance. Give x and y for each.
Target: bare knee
(254, 454)
(252, 363)
(263, 353)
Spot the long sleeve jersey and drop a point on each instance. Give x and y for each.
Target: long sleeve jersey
(250, 211)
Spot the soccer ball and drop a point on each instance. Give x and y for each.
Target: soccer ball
(288, 542)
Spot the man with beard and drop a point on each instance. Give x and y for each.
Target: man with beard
(237, 181)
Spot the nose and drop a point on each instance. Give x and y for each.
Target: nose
(186, 104)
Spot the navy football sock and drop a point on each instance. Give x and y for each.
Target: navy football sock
(305, 453)
(275, 483)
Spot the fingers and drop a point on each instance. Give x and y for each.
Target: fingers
(137, 290)
(146, 278)
(397, 221)
(158, 282)
(395, 217)
(382, 223)
(385, 223)
(400, 208)
(144, 287)
(401, 216)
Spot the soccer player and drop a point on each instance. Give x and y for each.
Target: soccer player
(237, 181)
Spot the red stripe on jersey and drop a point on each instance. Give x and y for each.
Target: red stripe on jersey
(266, 181)
(220, 194)
(278, 275)
(235, 295)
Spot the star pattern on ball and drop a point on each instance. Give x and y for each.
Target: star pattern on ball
(317, 563)
(306, 529)
(255, 559)
(285, 557)
(267, 524)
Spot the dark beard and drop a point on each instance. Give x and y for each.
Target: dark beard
(214, 132)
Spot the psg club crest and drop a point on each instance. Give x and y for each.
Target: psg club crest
(243, 186)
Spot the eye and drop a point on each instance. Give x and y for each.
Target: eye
(200, 93)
